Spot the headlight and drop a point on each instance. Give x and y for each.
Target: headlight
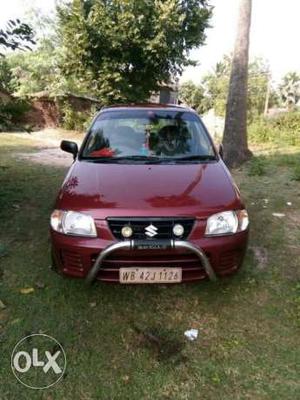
(73, 223)
(227, 222)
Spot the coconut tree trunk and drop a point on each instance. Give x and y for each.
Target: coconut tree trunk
(235, 142)
(266, 109)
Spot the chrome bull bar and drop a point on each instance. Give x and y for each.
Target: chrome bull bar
(150, 245)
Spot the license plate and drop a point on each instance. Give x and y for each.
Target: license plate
(150, 275)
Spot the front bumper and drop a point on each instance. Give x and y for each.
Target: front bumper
(102, 258)
(146, 245)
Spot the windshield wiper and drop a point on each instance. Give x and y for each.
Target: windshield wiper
(206, 157)
(137, 158)
(149, 159)
(144, 159)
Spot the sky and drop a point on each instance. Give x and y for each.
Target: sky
(275, 33)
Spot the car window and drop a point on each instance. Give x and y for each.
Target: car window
(164, 134)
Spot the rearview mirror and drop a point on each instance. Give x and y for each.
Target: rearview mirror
(221, 151)
(69, 147)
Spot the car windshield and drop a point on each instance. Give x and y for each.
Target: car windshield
(147, 135)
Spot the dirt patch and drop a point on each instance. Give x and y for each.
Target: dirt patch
(47, 138)
(48, 143)
(292, 271)
(294, 217)
(50, 156)
(261, 256)
(42, 113)
(292, 230)
(46, 111)
(163, 343)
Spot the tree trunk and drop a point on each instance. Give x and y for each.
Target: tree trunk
(266, 109)
(235, 132)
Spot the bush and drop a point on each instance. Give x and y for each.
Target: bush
(257, 167)
(75, 120)
(296, 173)
(260, 132)
(11, 113)
(284, 130)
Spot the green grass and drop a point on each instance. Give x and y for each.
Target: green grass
(256, 167)
(248, 344)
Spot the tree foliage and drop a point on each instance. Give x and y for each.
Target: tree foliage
(213, 89)
(290, 89)
(5, 75)
(33, 72)
(16, 35)
(193, 96)
(40, 70)
(124, 49)
(216, 86)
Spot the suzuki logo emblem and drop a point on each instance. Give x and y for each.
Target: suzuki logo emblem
(151, 230)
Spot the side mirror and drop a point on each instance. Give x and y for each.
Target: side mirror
(221, 151)
(69, 147)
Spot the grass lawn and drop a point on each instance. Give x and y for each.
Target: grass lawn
(248, 345)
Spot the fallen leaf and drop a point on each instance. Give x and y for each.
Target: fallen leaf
(93, 304)
(2, 305)
(27, 290)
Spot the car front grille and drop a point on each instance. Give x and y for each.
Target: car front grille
(158, 228)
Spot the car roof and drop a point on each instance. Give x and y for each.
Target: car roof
(145, 106)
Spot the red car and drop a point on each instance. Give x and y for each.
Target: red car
(148, 199)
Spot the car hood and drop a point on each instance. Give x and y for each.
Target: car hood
(106, 190)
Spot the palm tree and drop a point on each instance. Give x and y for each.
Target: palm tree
(235, 132)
